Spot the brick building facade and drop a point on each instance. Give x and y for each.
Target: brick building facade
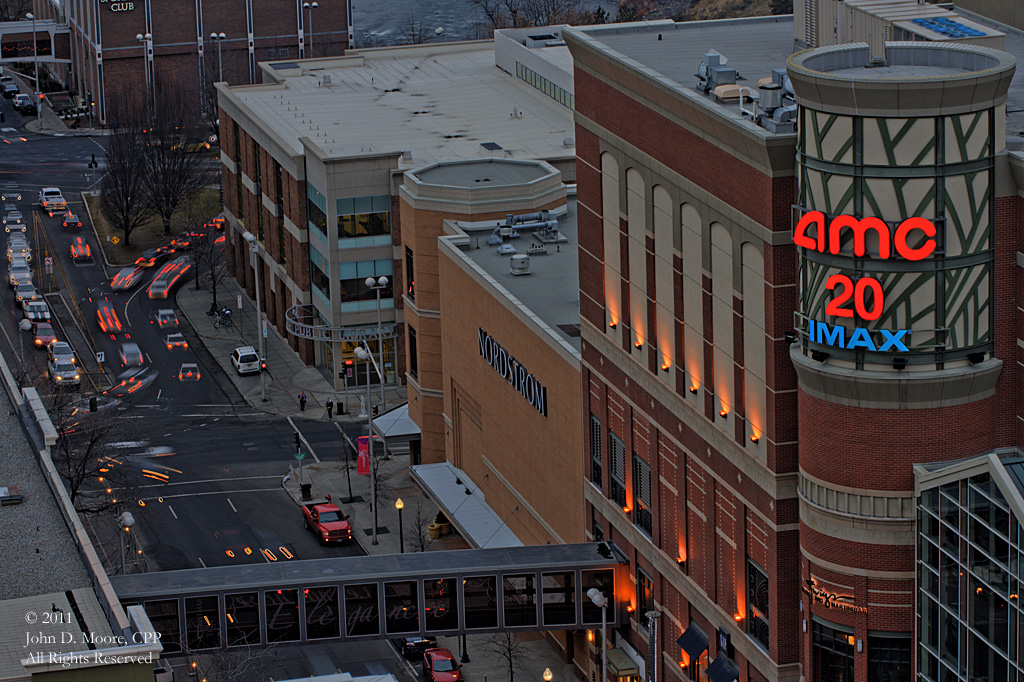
(755, 469)
(107, 59)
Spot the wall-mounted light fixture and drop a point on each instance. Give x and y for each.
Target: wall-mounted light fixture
(724, 412)
(666, 365)
(638, 344)
(612, 323)
(694, 388)
(819, 355)
(738, 617)
(899, 364)
(754, 437)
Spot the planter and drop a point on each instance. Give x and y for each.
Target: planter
(445, 528)
(434, 530)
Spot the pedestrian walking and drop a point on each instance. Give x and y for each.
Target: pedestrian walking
(330, 408)
(302, 401)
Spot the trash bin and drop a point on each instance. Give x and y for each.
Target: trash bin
(307, 491)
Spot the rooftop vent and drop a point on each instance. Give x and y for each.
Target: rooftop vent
(519, 264)
(491, 146)
(325, 80)
(507, 250)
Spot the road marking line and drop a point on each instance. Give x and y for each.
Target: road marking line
(212, 480)
(172, 511)
(201, 561)
(213, 492)
(232, 506)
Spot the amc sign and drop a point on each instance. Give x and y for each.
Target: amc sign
(862, 298)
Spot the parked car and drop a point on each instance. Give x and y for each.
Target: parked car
(24, 104)
(246, 361)
(18, 247)
(19, 271)
(10, 90)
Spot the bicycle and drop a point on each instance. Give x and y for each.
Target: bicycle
(220, 319)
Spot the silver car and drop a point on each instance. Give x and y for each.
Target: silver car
(63, 373)
(25, 291)
(19, 273)
(61, 351)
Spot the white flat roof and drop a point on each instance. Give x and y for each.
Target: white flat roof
(438, 102)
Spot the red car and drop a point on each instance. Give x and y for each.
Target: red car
(80, 250)
(44, 334)
(71, 220)
(440, 666)
(107, 317)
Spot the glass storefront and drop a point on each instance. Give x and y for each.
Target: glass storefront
(832, 653)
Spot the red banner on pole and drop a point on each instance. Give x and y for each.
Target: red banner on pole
(362, 457)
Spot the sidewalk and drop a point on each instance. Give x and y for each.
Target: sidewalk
(286, 376)
(48, 123)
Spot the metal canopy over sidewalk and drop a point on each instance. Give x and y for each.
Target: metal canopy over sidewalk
(396, 426)
(540, 587)
(464, 505)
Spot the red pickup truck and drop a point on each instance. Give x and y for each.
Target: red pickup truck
(327, 521)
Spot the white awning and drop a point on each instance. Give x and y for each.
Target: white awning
(396, 425)
(468, 511)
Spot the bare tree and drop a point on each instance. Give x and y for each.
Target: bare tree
(82, 453)
(193, 221)
(12, 10)
(122, 190)
(174, 170)
(414, 31)
(210, 108)
(418, 534)
(523, 13)
(509, 649)
(251, 663)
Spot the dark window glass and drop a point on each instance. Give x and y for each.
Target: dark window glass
(164, 617)
(520, 599)
(757, 600)
(282, 615)
(258, 190)
(243, 618)
(322, 617)
(481, 597)
(440, 605)
(598, 532)
(317, 276)
(832, 652)
(603, 581)
(617, 470)
(559, 598)
(355, 289)
(889, 658)
(22, 49)
(644, 596)
(595, 451)
(316, 217)
(202, 623)
(642, 516)
(401, 608)
(414, 364)
(410, 275)
(362, 613)
(282, 252)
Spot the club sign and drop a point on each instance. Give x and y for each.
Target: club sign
(863, 298)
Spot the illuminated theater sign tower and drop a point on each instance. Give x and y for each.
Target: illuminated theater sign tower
(898, 237)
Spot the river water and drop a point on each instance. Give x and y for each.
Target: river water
(382, 22)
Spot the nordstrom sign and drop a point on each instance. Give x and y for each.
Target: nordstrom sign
(514, 372)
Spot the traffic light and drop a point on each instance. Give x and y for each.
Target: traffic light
(297, 441)
(92, 404)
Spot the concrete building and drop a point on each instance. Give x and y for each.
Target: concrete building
(785, 305)
(108, 59)
(312, 163)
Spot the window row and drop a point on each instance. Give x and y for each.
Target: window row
(405, 606)
(555, 92)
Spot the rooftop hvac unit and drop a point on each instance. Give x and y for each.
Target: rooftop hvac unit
(785, 115)
(506, 250)
(519, 264)
(711, 59)
(769, 97)
(721, 75)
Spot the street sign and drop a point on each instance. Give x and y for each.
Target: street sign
(48, 260)
(239, 301)
(264, 329)
(300, 456)
(99, 356)
(115, 240)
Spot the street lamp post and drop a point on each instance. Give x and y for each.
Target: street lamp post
(147, 41)
(254, 247)
(363, 353)
(598, 599)
(379, 285)
(310, 6)
(399, 505)
(35, 59)
(219, 39)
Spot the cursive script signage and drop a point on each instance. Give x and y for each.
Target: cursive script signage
(505, 364)
(831, 600)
